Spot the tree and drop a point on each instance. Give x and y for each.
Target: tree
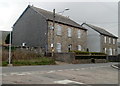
(7, 40)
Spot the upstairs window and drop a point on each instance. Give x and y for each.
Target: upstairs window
(69, 32)
(79, 33)
(58, 47)
(59, 30)
(79, 47)
(109, 40)
(105, 39)
(113, 41)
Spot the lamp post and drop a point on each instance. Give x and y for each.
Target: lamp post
(52, 45)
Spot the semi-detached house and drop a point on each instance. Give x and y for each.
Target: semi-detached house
(34, 28)
(100, 40)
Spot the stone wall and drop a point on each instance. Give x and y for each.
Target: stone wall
(108, 45)
(65, 40)
(65, 57)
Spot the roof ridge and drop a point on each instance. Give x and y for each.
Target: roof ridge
(51, 12)
(100, 30)
(58, 18)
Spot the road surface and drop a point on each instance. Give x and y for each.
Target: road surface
(101, 73)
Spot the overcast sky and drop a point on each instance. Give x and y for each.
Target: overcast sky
(103, 14)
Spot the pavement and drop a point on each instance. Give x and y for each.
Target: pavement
(117, 66)
(70, 74)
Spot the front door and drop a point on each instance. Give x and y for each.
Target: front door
(69, 47)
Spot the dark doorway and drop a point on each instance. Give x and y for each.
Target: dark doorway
(69, 47)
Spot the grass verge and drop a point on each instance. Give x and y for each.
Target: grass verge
(39, 61)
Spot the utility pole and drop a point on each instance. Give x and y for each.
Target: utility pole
(52, 45)
(10, 51)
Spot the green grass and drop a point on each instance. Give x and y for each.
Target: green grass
(39, 61)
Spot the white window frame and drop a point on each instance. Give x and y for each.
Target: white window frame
(79, 47)
(105, 50)
(109, 40)
(114, 51)
(110, 51)
(59, 30)
(58, 47)
(79, 33)
(113, 41)
(105, 39)
(69, 32)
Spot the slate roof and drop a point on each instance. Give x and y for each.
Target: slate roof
(100, 30)
(58, 18)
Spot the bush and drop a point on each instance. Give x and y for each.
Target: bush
(4, 63)
(12, 48)
(87, 53)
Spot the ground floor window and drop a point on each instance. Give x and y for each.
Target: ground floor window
(114, 51)
(105, 50)
(79, 47)
(110, 51)
(58, 47)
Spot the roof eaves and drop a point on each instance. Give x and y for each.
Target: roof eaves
(99, 31)
(69, 25)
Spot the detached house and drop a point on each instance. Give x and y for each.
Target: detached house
(34, 28)
(100, 40)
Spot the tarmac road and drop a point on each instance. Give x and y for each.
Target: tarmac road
(70, 74)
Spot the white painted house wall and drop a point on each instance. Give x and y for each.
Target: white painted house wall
(93, 39)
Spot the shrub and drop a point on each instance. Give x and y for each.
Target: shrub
(87, 53)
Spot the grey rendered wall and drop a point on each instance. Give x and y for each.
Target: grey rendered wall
(31, 28)
(93, 40)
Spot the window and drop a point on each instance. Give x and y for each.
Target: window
(79, 33)
(105, 50)
(58, 47)
(109, 40)
(113, 41)
(105, 39)
(110, 51)
(114, 51)
(59, 30)
(69, 32)
(79, 47)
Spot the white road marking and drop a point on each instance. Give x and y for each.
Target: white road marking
(14, 73)
(27, 73)
(43, 72)
(77, 69)
(72, 69)
(59, 70)
(50, 71)
(21, 74)
(67, 82)
(83, 68)
(4, 74)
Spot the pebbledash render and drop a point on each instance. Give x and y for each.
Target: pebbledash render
(34, 28)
